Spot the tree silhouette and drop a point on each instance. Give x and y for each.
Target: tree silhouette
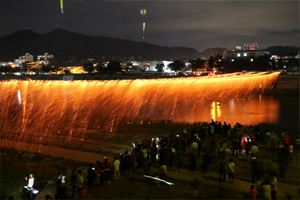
(199, 63)
(114, 66)
(177, 65)
(262, 63)
(159, 67)
(89, 67)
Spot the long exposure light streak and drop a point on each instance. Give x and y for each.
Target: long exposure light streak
(72, 107)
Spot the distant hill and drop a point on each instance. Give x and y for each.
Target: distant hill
(63, 43)
(213, 52)
(280, 50)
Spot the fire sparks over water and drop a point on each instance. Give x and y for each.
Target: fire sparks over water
(49, 107)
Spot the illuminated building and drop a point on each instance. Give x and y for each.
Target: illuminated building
(23, 59)
(248, 52)
(44, 59)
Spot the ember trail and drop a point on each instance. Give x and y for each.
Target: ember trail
(32, 111)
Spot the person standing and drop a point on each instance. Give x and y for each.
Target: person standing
(247, 147)
(255, 169)
(273, 184)
(62, 187)
(153, 152)
(91, 176)
(254, 150)
(117, 168)
(59, 175)
(225, 128)
(101, 170)
(283, 160)
(258, 184)
(206, 160)
(107, 170)
(220, 150)
(266, 190)
(231, 170)
(79, 182)
(73, 182)
(222, 170)
(127, 162)
(252, 192)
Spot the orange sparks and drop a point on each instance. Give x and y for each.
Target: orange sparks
(51, 106)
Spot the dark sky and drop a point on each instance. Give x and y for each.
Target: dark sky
(196, 24)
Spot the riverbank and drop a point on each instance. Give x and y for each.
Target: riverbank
(104, 142)
(188, 184)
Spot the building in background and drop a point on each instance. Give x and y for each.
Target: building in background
(249, 52)
(19, 62)
(44, 59)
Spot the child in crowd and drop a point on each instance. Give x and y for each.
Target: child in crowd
(252, 193)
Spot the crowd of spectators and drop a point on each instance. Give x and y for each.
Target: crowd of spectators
(168, 151)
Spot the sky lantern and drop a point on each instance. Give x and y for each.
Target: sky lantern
(62, 6)
(143, 12)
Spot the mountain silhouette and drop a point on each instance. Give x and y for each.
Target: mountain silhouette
(62, 43)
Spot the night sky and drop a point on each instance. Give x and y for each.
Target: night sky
(196, 24)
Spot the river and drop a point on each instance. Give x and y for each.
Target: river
(256, 109)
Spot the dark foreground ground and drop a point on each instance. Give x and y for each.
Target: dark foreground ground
(15, 165)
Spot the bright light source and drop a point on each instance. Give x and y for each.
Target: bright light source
(232, 60)
(238, 55)
(245, 54)
(284, 66)
(35, 191)
(19, 97)
(251, 59)
(159, 180)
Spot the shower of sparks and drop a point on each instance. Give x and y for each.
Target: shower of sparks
(73, 107)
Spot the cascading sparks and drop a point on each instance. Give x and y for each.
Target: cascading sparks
(49, 107)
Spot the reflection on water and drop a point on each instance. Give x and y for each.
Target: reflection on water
(215, 110)
(254, 110)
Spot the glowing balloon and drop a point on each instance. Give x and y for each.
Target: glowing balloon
(62, 6)
(143, 11)
(144, 26)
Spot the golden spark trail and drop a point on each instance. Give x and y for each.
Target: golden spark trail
(49, 107)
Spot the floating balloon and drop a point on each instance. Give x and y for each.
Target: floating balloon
(62, 6)
(143, 11)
